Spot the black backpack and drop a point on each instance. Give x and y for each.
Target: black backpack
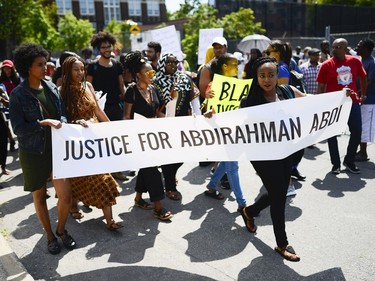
(296, 80)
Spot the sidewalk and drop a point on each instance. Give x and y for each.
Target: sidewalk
(330, 224)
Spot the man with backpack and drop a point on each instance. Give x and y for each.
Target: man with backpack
(105, 74)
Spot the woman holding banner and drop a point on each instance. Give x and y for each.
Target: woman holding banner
(141, 98)
(275, 174)
(171, 84)
(81, 106)
(282, 52)
(36, 106)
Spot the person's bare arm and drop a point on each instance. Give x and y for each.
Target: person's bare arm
(204, 80)
(127, 110)
(321, 88)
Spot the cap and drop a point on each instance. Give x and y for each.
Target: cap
(50, 63)
(313, 51)
(8, 63)
(238, 55)
(220, 40)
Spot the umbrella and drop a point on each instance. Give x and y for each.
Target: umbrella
(258, 41)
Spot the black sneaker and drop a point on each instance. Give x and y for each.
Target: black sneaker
(336, 169)
(352, 168)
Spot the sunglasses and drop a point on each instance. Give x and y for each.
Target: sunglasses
(175, 62)
(150, 73)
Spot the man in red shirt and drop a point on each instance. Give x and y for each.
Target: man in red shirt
(341, 71)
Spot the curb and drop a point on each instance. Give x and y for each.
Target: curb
(10, 266)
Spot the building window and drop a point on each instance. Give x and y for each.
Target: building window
(111, 10)
(86, 7)
(153, 8)
(63, 6)
(135, 8)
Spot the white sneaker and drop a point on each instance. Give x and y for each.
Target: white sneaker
(291, 190)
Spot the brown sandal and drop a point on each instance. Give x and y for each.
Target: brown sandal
(77, 215)
(288, 253)
(249, 221)
(173, 195)
(114, 225)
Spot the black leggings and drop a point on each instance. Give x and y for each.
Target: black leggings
(169, 173)
(149, 180)
(275, 176)
(3, 142)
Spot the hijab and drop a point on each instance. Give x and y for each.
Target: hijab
(178, 81)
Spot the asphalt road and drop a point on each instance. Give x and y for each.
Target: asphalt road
(330, 223)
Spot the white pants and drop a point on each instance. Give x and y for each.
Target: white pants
(368, 123)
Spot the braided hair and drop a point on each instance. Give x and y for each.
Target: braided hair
(71, 92)
(133, 62)
(255, 96)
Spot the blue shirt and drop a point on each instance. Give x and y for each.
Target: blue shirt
(369, 66)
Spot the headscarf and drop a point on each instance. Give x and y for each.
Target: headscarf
(180, 82)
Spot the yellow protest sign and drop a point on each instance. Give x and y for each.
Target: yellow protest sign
(228, 92)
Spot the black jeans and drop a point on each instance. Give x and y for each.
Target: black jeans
(3, 142)
(355, 128)
(169, 173)
(275, 176)
(149, 180)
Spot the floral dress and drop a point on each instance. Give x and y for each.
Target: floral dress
(95, 190)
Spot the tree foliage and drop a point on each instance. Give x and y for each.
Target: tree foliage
(240, 24)
(38, 26)
(236, 25)
(343, 2)
(121, 30)
(11, 13)
(185, 10)
(75, 34)
(203, 17)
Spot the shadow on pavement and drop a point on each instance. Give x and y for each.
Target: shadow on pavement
(271, 264)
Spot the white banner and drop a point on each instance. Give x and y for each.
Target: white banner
(206, 36)
(265, 132)
(167, 37)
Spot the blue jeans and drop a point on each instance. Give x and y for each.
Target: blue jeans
(355, 128)
(231, 169)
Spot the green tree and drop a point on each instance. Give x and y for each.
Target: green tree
(203, 17)
(240, 24)
(26, 20)
(236, 25)
(75, 34)
(185, 10)
(11, 13)
(38, 27)
(343, 2)
(121, 29)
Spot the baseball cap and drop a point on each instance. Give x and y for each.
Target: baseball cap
(220, 40)
(8, 63)
(313, 51)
